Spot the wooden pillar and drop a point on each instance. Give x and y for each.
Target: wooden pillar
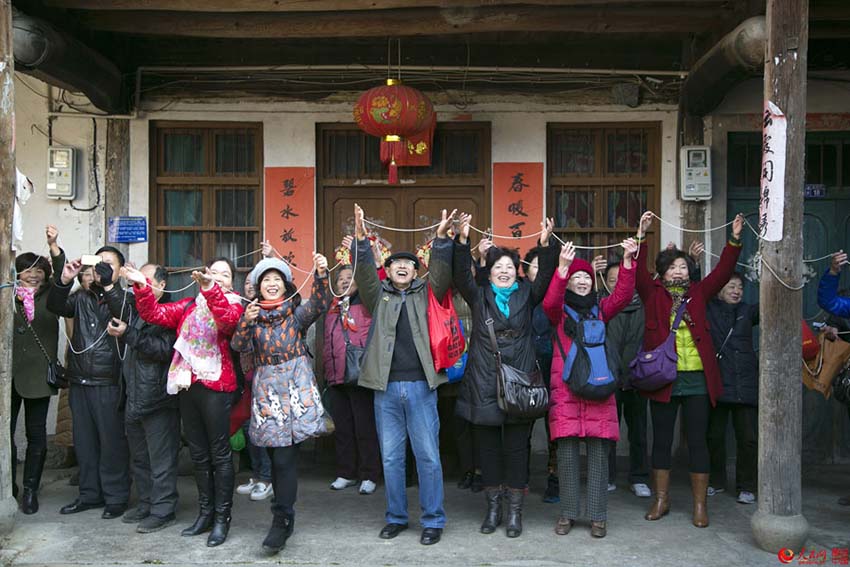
(8, 506)
(778, 523)
(117, 173)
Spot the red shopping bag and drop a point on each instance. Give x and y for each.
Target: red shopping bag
(811, 346)
(444, 330)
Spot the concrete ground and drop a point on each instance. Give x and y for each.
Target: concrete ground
(341, 529)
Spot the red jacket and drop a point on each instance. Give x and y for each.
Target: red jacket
(658, 305)
(570, 415)
(172, 315)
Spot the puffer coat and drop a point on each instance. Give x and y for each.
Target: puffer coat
(477, 398)
(570, 415)
(334, 347)
(739, 364)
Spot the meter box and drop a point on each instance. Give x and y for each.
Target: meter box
(695, 164)
(61, 172)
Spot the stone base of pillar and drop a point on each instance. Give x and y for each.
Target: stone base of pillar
(8, 509)
(774, 533)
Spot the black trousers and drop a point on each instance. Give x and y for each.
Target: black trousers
(100, 444)
(206, 424)
(745, 424)
(284, 479)
(35, 423)
(695, 410)
(633, 407)
(355, 436)
(154, 444)
(504, 454)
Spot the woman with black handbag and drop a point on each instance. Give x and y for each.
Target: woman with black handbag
(352, 407)
(34, 352)
(506, 303)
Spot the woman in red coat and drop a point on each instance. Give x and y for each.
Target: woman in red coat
(698, 383)
(572, 418)
(202, 371)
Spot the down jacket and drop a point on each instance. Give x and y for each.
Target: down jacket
(334, 348)
(477, 402)
(828, 298)
(172, 315)
(739, 364)
(570, 415)
(658, 304)
(149, 349)
(99, 365)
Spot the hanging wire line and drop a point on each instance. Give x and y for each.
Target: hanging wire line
(196, 268)
(395, 229)
(695, 230)
(351, 282)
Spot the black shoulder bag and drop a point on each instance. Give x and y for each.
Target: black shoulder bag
(519, 394)
(353, 356)
(55, 371)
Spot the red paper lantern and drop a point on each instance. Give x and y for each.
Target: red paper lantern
(393, 112)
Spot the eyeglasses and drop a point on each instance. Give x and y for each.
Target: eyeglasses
(403, 263)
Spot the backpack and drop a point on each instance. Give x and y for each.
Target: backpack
(589, 370)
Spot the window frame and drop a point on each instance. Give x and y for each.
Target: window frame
(209, 183)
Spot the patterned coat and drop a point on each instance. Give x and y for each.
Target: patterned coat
(286, 406)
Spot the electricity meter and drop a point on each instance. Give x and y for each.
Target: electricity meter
(695, 165)
(61, 172)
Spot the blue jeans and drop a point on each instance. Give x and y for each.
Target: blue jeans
(410, 409)
(261, 464)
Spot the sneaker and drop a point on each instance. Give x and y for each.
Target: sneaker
(342, 483)
(552, 493)
(712, 491)
(367, 487)
(247, 488)
(612, 487)
(642, 490)
(262, 490)
(745, 497)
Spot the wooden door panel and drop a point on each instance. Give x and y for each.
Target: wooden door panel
(426, 205)
(381, 208)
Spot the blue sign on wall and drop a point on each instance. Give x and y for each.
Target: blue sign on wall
(127, 229)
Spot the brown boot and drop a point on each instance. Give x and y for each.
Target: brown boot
(661, 504)
(699, 488)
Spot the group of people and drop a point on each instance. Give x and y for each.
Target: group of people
(141, 370)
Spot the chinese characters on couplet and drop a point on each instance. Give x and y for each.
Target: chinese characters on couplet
(516, 208)
(288, 234)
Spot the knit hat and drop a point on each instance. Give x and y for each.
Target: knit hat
(402, 256)
(579, 265)
(267, 264)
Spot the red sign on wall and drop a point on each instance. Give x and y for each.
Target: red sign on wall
(517, 204)
(290, 213)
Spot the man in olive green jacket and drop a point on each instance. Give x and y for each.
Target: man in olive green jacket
(398, 365)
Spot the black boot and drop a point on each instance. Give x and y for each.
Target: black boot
(204, 521)
(493, 519)
(515, 500)
(33, 467)
(224, 480)
(282, 527)
(14, 469)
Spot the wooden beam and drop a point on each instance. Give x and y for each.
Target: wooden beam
(402, 23)
(334, 5)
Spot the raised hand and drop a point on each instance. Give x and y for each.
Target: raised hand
(359, 226)
(268, 249)
(70, 271)
(599, 264)
(547, 227)
(252, 311)
(695, 250)
(203, 279)
(465, 222)
(321, 264)
(347, 241)
(838, 259)
(445, 223)
(568, 254)
(483, 246)
(131, 274)
(645, 223)
(630, 248)
(737, 226)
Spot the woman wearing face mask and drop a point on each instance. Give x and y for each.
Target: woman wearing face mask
(202, 371)
(355, 436)
(286, 408)
(35, 328)
(572, 418)
(698, 383)
(502, 441)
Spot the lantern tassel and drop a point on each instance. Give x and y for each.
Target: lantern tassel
(393, 173)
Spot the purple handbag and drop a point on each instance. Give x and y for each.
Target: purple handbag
(654, 369)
